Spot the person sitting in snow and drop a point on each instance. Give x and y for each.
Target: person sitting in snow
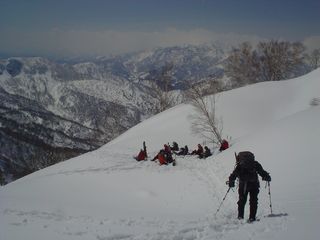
(142, 154)
(168, 153)
(164, 156)
(198, 151)
(206, 153)
(224, 145)
(175, 146)
(183, 151)
(161, 157)
(247, 170)
(167, 148)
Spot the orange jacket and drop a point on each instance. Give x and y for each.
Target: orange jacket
(162, 159)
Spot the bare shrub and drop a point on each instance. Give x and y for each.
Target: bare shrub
(205, 121)
(162, 88)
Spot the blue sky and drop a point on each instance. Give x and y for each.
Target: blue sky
(69, 27)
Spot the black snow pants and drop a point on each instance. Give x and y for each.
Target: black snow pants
(245, 188)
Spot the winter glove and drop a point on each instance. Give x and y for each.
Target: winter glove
(230, 184)
(266, 178)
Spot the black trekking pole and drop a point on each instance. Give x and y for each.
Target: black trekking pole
(222, 201)
(270, 198)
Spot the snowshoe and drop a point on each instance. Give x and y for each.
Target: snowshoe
(251, 220)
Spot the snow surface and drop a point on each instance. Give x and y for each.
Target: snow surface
(107, 195)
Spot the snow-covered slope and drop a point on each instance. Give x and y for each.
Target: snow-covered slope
(105, 194)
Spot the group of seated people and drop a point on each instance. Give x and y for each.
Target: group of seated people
(164, 156)
(202, 152)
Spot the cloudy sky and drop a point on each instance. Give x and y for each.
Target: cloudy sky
(62, 28)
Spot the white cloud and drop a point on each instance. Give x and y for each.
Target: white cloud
(82, 42)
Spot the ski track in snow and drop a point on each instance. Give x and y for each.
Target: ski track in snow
(209, 227)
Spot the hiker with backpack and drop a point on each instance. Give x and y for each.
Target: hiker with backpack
(247, 170)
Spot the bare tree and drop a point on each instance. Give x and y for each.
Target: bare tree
(279, 60)
(205, 122)
(162, 88)
(314, 59)
(242, 66)
(270, 61)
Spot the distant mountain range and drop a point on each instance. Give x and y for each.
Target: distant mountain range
(51, 111)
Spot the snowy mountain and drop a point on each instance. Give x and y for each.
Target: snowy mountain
(52, 111)
(51, 117)
(190, 63)
(106, 194)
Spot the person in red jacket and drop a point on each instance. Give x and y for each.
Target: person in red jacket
(141, 156)
(161, 156)
(224, 145)
(164, 156)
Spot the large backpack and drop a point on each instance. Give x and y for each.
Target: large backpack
(245, 159)
(246, 162)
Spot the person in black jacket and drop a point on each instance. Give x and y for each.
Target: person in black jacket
(198, 151)
(247, 170)
(183, 151)
(206, 153)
